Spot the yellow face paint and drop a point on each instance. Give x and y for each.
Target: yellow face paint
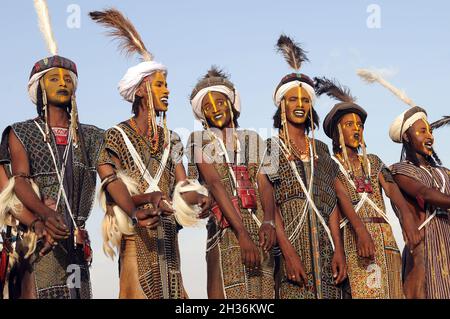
(300, 95)
(213, 102)
(428, 126)
(355, 122)
(55, 82)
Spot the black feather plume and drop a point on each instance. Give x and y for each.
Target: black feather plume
(214, 72)
(292, 52)
(333, 89)
(445, 120)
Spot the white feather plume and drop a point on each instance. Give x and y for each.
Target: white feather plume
(371, 77)
(45, 25)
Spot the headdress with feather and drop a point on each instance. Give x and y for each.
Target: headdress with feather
(294, 56)
(444, 121)
(44, 65)
(123, 30)
(346, 105)
(372, 77)
(130, 42)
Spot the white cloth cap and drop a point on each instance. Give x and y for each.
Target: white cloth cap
(281, 91)
(400, 125)
(196, 102)
(34, 82)
(134, 75)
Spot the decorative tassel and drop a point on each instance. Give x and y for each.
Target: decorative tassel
(235, 136)
(284, 127)
(311, 117)
(166, 130)
(116, 222)
(365, 159)
(344, 149)
(74, 120)
(151, 116)
(45, 107)
(187, 215)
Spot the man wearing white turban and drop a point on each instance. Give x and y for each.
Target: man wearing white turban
(426, 186)
(142, 172)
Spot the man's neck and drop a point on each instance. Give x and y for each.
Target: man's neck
(352, 153)
(57, 117)
(297, 132)
(422, 160)
(142, 121)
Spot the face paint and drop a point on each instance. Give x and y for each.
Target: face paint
(160, 92)
(211, 99)
(216, 110)
(422, 140)
(298, 105)
(59, 86)
(352, 130)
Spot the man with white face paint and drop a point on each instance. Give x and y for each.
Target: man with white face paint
(141, 170)
(425, 183)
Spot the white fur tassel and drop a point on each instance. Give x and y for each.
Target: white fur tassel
(187, 215)
(116, 222)
(45, 25)
(10, 205)
(371, 77)
(10, 209)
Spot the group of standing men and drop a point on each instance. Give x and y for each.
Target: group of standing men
(286, 219)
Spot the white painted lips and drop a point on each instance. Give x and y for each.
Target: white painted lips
(165, 100)
(299, 113)
(428, 145)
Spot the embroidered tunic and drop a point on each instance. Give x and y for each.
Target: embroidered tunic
(303, 227)
(237, 281)
(156, 250)
(51, 271)
(379, 278)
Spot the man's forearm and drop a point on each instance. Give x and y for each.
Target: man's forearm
(120, 195)
(25, 193)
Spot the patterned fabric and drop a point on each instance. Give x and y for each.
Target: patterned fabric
(4, 152)
(157, 251)
(55, 61)
(311, 240)
(381, 278)
(433, 255)
(238, 282)
(51, 271)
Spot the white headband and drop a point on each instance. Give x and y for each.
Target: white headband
(281, 91)
(34, 82)
(400, 126)
(196, 102)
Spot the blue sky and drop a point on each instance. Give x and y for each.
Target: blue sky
(411, 47)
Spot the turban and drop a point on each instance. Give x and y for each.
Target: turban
(339, 110)
(196, 100)
(294, 80)
(43, 66)
(134, 76)
(404, 121)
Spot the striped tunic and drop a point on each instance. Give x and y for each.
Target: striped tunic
(430, 263)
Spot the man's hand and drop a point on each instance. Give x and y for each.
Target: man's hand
(295, 271)
(54, 222)
(205, 203)
(147, 218)
(413, 235)
(339, 267)
(365, 245)
(267, 236)
(249, 252)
